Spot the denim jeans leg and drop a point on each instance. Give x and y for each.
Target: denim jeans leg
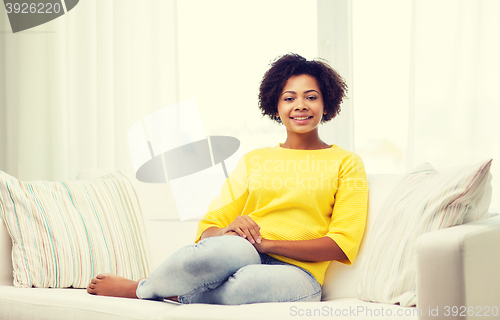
(198, 267)
(261, 283)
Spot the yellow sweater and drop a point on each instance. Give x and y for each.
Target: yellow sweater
(297, 195)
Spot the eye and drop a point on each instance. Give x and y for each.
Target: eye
(312, 97)
(288, 99)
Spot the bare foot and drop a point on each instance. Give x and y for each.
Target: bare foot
(113, 286)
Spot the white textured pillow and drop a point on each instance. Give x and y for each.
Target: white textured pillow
(341, 280)
(65, 233)
(423, 201)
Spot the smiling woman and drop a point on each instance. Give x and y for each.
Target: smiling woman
(270, 234)
(331, 88)
(300, 94)
(300, 107)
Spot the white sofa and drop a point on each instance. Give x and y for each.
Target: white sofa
(458, 266)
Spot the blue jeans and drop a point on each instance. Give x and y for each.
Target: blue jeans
(227, 270)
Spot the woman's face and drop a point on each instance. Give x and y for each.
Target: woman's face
(300, 105)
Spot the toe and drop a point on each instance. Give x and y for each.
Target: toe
(90, 290)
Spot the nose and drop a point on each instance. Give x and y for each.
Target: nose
(301, 107)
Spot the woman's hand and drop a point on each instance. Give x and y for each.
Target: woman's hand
(245, 227)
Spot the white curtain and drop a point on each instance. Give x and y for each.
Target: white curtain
(426, 83)
(71, 88)
(455, 85)
(454, 82)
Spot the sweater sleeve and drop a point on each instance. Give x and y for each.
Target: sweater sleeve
(229, 204)
(350, 208)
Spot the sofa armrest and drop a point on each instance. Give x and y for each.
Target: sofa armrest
(459, 267)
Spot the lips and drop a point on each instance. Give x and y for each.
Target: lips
(301, 117)
(304, 120)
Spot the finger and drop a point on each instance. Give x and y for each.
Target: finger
(252, 235)
(230, 228)
(243, 225)
(253, 229)
(239, 232)
(256, 234)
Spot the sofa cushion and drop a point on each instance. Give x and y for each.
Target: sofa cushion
(350, 308)
(65, 233)
(161, 220)
(423, 201)
(341, 280)
(76, 304)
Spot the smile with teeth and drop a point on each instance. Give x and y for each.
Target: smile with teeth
(301, 118)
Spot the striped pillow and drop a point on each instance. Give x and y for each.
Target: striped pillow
(423, 201)
(65, 233)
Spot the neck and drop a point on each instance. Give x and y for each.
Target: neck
(310, 141)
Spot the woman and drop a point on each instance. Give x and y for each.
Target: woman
(283, 214)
